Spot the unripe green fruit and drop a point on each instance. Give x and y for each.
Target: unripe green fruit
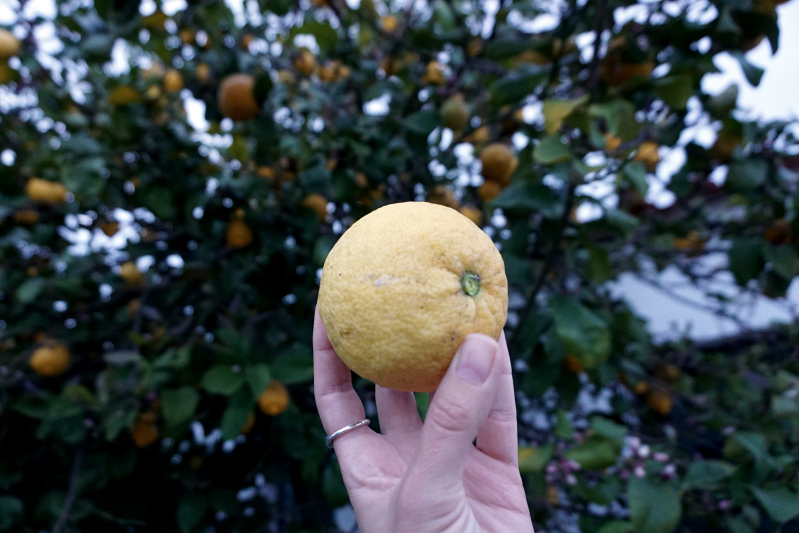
(454, 113)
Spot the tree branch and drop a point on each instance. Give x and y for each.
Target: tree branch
(69, 501)
(599, 27)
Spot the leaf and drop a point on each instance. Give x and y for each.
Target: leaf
(30, 289)
(422, 403)
(636, 173)
(556, 111)
(422, 122)
(533, 459)
(607, 428)
(552, 150)
(599, 269)
(654, 508)
(258, 377)
(707, 475)
(190, 511)
(747, 174)
(294, 367)
(333, 487)
(563, 426)
(121, 357)
(617, 526)
(583, 334)
(526, 196)
(595, 453)
(513, 89)
(620, 118)
(675, 90)
(784, 259)
(10, 511)
(235, 416)
(745, 260)
(752, 72)
(326, 36)
(222, 379)
(780, 503)
(178, 405)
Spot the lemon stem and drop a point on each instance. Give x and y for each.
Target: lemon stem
(470, 283)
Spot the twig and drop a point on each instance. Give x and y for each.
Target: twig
(599, 27)
(69, 501)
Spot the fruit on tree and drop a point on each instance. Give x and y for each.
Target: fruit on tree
(305, 62)
(236, 99)
(9, 45)
(275, 399)
(403, 287)
(648, 155)
(434, 73)
(41, 191)
(144, 432)
(489, 190)
(499, 163)
(389, 23)
(173, 81)
(317, 203)
(472, 213)
(51, 359)
(454, 113)
(238, 234)
(130, 273)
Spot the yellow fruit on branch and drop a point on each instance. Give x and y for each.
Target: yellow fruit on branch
(238, 234)
(173, 81)
(472, 213)
(434, 73)
(442, 195)
(45, 192)
(130, 273)
(612, 143)
(236, 99)
(659, 400)
(499, 163)
(305, 62)
(144, 432)
(265, 172)
(246, 41)
(202, 73)
(50, 360)
(489, 190)
(389, 23)
(692, 242)
(454, 113)
(9, 45)
(403, 287)
(275, 399)
(648, 155)
(317, 203)
(188, 36)
(110, 227)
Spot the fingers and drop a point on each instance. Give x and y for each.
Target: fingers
(498, 437)
(397, 411)
(460, 406)
(336, 400)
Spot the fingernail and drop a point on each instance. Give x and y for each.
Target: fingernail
(475, 357)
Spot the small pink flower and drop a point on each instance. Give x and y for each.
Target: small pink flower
(639, 471)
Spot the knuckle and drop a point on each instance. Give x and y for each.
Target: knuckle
(449, 415)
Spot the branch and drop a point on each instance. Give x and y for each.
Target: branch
(599, 27)
(69, 501)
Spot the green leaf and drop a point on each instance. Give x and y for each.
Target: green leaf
(747, 174)
(552, 150)
(620, 118)
(607, 428)
(526, 196)
(752, 72)
(178, 405)
(222, 379)
(654, 508)
(295, 366)
(190, 511)
(10, 511)
(599, 269)
(258, 377)
(595, 453)
(513, 89)
(422, 122)
(636, 173)
(784, 259)
(745, 259)
(326, 36)
(707, 475)
(422, 403)
(675, 90)
(30, 289)
(583, 334)
(563, 426)
(534, 458)
(333, 487)
(556, 111)
(235, 416)
(780, 503)
(617, 526)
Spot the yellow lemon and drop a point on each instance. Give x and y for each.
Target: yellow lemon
(238, 234)
(404, 286)
(499, 163)
(236, 99)
(50, 360)
(9, 45)
(275, 399)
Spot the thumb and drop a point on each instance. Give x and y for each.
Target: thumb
(460, 407)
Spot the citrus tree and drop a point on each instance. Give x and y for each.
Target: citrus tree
(173, 176)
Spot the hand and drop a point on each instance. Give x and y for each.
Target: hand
(430, 478)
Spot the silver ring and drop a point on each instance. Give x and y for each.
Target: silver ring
(330, 438)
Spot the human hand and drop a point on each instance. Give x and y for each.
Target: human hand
(430, 478)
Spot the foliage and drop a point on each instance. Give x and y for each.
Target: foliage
(180, 267)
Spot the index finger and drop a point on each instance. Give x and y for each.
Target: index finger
(337, 402)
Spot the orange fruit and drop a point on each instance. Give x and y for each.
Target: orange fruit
(499, 163)
(305, 62)
(238, 234)
(389, 23)
(275, 399)
(265, 172)
(45, 192)
(317, 203)
(144, 433)
(236, 99)
(648, 155)
(434, 73)
(110, 227)
(660, 401)
(51, 359)
(612, 143)
(202, 72)
(173, 81)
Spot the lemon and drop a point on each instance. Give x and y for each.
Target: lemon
(236, 99)
(50, 360)
(499, 163)
(403, 287)
(275, 399)
(9, 44)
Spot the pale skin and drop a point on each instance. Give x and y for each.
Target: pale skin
(429, 477)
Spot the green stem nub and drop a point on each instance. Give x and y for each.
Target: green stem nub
(470, 283)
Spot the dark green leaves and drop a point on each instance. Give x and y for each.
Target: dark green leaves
(707, 475)
(747, 174)
(780, 503)
(513, 89)
(422, 122)
(654, 507)
(583, 334)
(10, 512)
(745, 260)
(222, 379)
(595, 453)
(552, 150)
(178, 405)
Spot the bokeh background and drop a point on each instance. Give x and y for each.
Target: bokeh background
(173, 175)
